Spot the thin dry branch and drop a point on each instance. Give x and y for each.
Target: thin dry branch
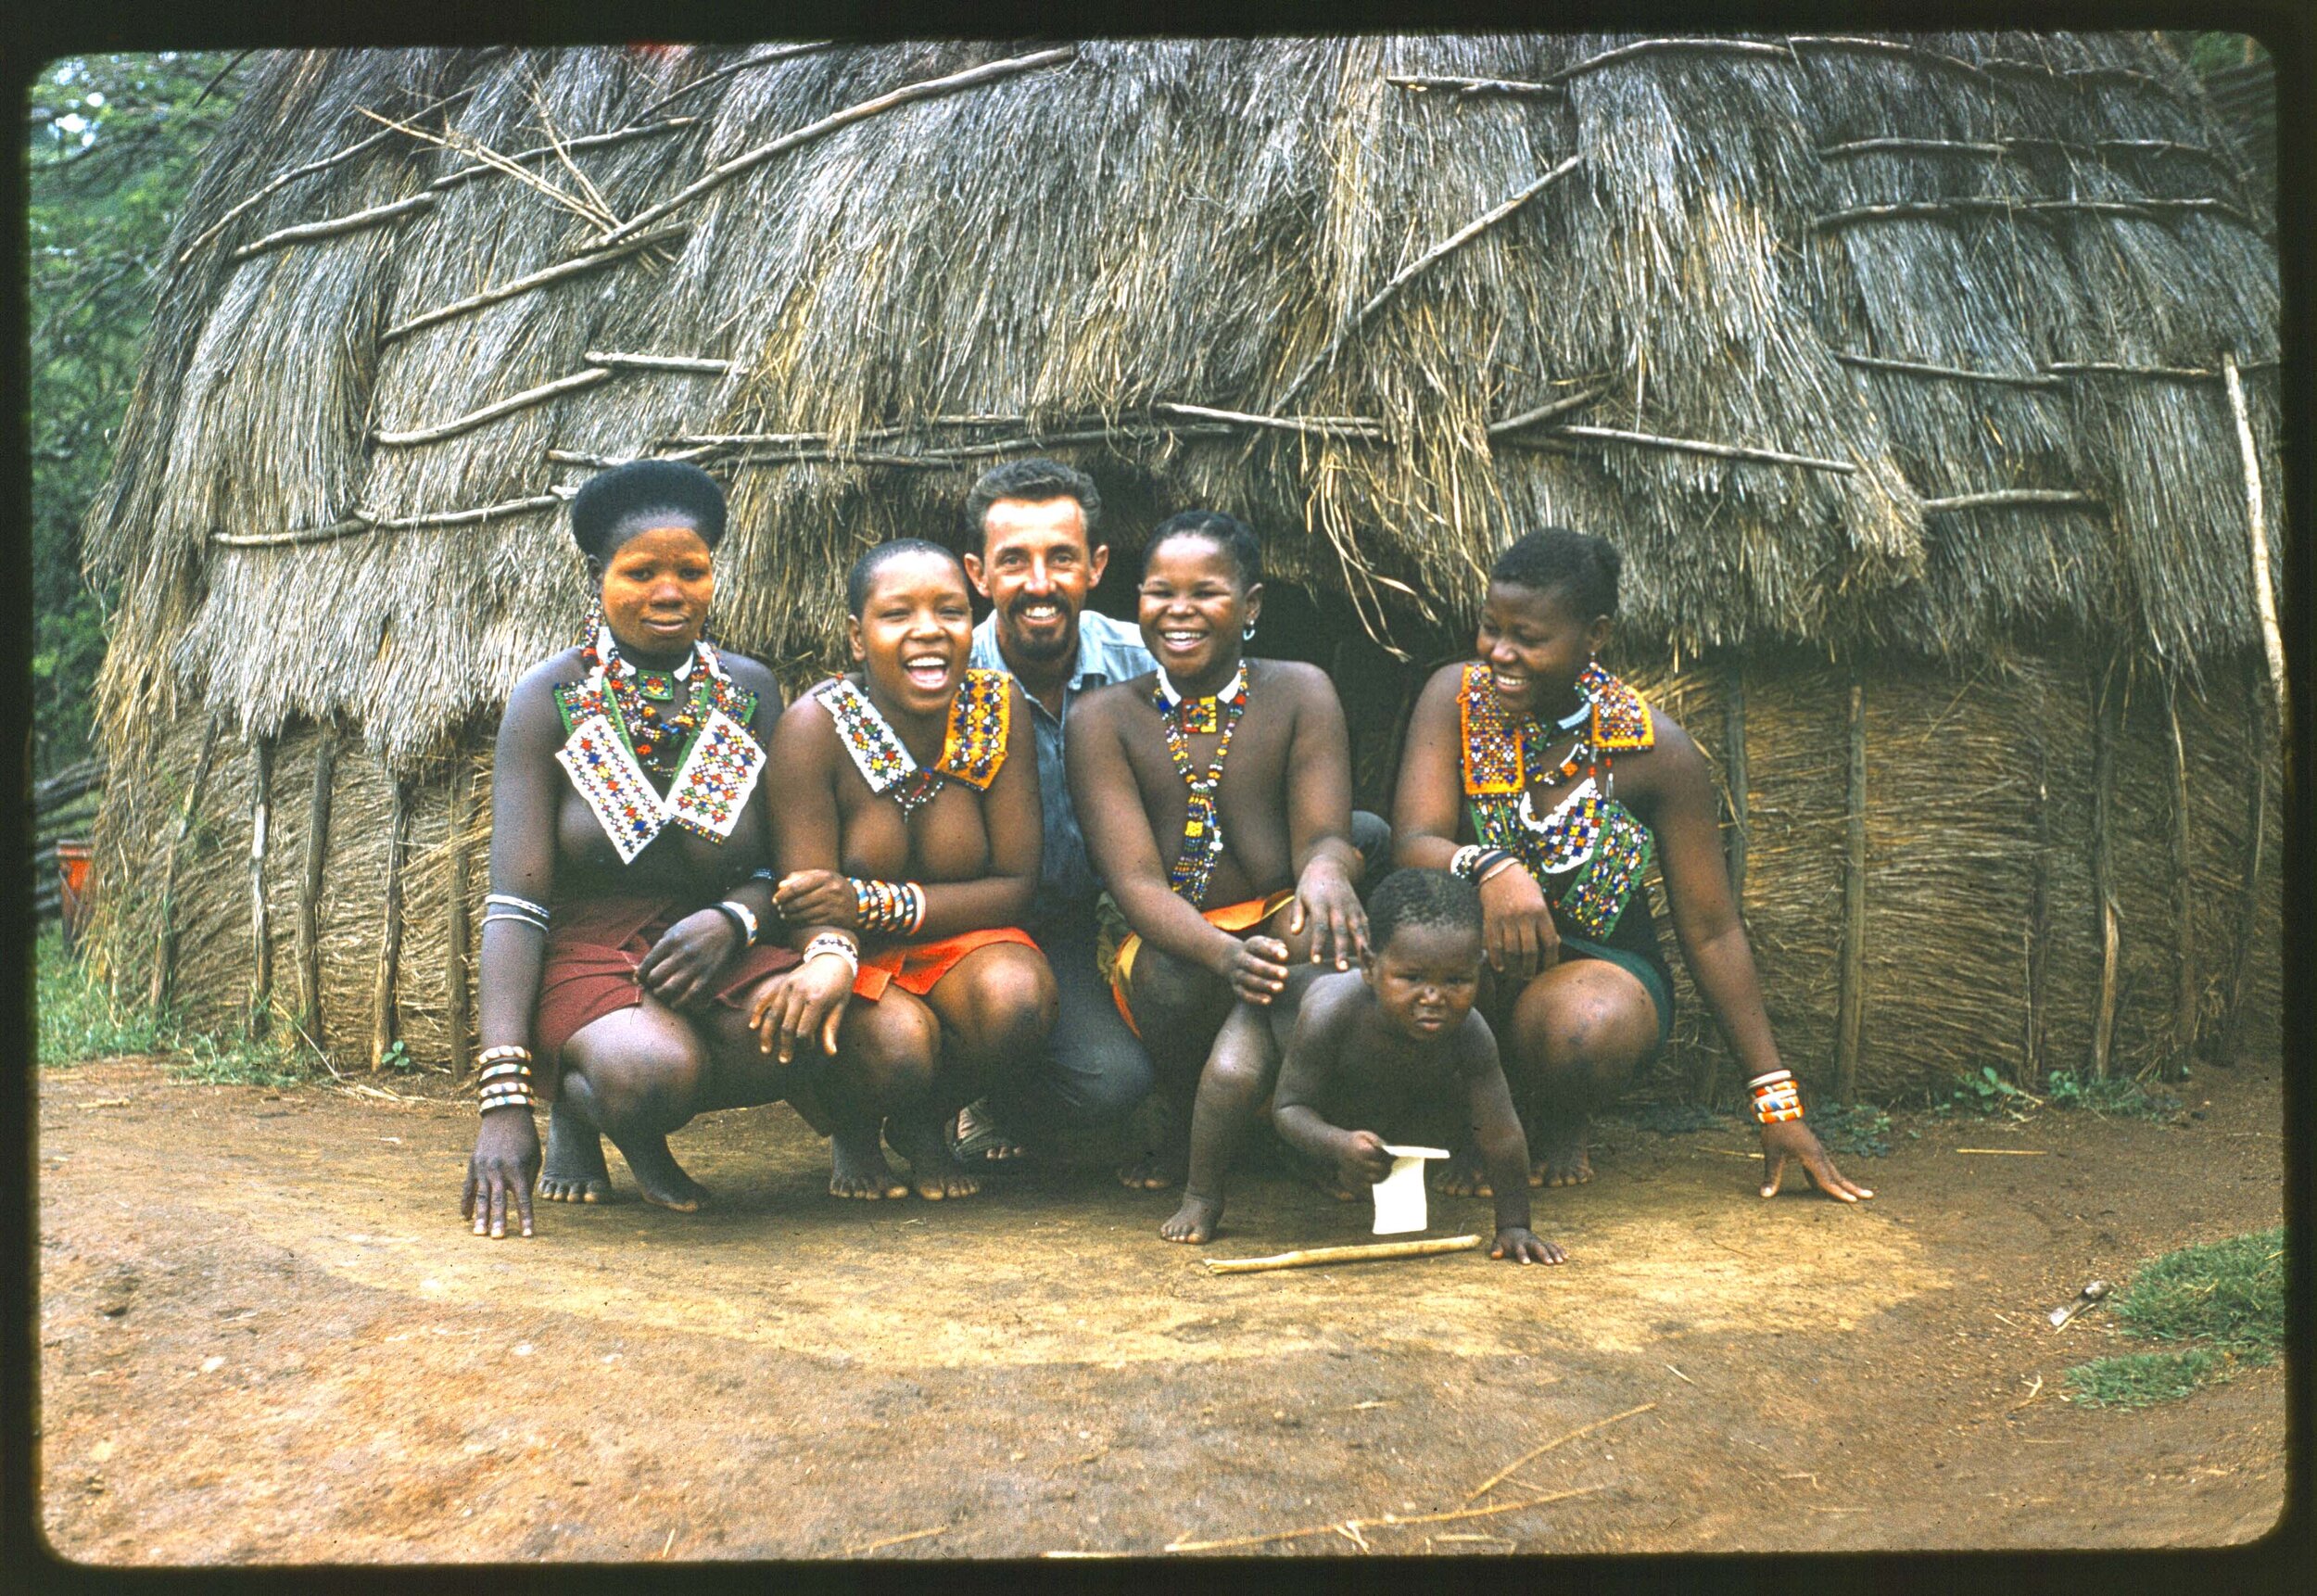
(330, 227)
(1663, 47)
(1319, 426)
(357, 523)
(1700, 446)
(1925, 369)
(1388, 1521)
(1464, 87)
(539, 279)
(1858, 44)
(586, 378)
(695, 365)
(2115, 369)
(1408, 273)
(1997, 205)
(2011, 497)
(1529, 1457)
(716, 177)
(2003, 148)
(1358, 1252)
(585, 141)
(1546, 412)
(786, 52)
(2257, 532)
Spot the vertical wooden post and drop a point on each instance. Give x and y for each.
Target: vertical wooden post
(2257, 532)
(2103, 867)
(165, 953)
(456, 1007)
(1852, 1008)
(260, 922)
(2187, 991)
(2039, 923)
(308, 943)
(2232, 1039)
(390, 932)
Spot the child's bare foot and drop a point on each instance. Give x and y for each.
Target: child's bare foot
(1193, 1222)
(1325, 1180)
(934, 1168)
(659, 1177)
(1156, 1169)
(857, 1168)
(1561, 1160)
(574, 1170)
(1464, 1174)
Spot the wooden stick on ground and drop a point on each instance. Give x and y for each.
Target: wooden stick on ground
(1358, 1253)
(897, 1539)
(1387, 1521)
(1498, 1478)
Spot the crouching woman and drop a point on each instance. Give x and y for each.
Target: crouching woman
(908, 847)
(630, 869)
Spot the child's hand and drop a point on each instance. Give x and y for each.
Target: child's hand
(1515, 1244)
(1363, 1161)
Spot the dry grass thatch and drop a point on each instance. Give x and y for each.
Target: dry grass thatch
(1778, 314)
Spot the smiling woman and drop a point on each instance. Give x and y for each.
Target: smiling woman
(909, 849)
(621, 935)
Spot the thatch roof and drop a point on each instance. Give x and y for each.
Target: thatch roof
(1064, 247)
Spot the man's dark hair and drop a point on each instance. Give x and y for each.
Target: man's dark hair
(864, 569)
(616, 504)
(1230, 534)
(1033, 481)
(1584, 563)
(1421, 898)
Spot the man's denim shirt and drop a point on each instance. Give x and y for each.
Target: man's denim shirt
(1108, 651)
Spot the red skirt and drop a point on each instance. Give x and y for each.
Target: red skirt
(593, 948)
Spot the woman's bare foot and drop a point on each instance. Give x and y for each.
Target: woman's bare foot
(934, 1168)
(1464, 1174)
(1157, 1167)
(1561, 1158)
(1194, 1221)
(573, 1169)
(659, 1176)
(857, 1168)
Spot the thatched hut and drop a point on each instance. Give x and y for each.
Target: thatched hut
(1929, 385)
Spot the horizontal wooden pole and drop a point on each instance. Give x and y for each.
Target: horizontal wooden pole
(1359, 1252)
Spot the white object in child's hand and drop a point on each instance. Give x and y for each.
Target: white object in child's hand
(1400, 1197)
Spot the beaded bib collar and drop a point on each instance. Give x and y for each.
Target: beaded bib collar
(1202, 821)
(618, 729)
(973, 746)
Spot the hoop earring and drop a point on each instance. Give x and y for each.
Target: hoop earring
(1248, 635)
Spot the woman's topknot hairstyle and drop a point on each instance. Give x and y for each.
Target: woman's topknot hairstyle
(616, 504)
(1230, 534)
(1583, 563)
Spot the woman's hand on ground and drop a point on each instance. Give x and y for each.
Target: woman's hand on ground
(1256, 967)
(500, 1175)
(1792, 1139)
(688, 955)
(1326, 901)
(1516, 924)
(817, 898)
(1360, 1161)
(1516, 1245)
(806, 1001)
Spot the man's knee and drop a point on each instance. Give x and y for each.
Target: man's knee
(1371, 834)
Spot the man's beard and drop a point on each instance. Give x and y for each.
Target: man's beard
(1045, 651)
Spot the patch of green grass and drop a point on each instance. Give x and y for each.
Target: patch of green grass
(2143, 1379)
(2228, 1295)
(80, 1021)
(2119, 1096)
(1857, 1130)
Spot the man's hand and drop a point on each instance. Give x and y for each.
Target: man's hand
(1256, 967)
(688, 955)
(1516, 1245)
(1516, 924)
(1360, 1161)
(1792, 1139)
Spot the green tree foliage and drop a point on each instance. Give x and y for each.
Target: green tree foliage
(112, 143)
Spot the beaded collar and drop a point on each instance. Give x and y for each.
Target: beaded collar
(973, 746)
(1498, 754)
(689, 727)
(1202, 822)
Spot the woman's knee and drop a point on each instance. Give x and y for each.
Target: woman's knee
(890, 1046)
(1593, 1027)
(1009, 1002)
(639, 1073)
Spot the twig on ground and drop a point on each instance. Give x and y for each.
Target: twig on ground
(2007, 1152)
(2033, 1392)
(1497, 1478)
(1387, 1521)
(1358, 1252)
(897, 1539)
(1679, 1375)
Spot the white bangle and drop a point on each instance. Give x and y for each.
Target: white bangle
(835, 947)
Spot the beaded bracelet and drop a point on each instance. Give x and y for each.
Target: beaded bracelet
(892, 908)
(742, 916)
(505, 1050)
(1777, 1096)
(839, 946)
(1466, 860)
(507, 1069)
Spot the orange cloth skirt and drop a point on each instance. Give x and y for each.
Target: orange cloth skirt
(916, 968)
(1236, 917)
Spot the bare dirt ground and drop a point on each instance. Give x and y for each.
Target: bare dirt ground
(266, 1338)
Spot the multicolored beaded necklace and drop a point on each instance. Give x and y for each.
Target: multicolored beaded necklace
(689, 727)
(1202, 822)
(973, 744)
